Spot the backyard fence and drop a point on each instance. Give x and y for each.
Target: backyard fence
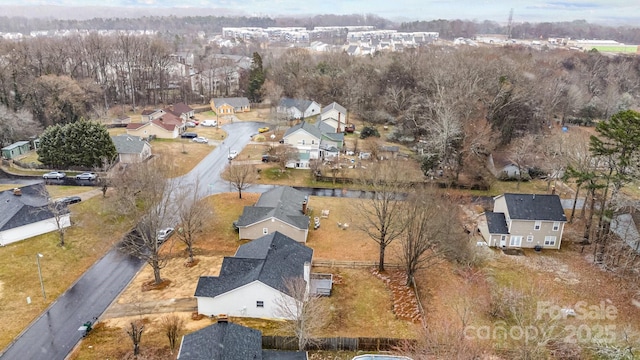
(335, 343)
(353, 264)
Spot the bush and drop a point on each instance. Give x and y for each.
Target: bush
(369, 131)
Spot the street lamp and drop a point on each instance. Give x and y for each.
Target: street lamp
(38, 256)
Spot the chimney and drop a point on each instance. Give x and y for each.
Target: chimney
(17, 192)
(304, 207)
(223, 319)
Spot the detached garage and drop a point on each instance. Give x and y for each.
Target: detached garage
(16, 149)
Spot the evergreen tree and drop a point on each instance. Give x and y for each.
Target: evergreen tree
(83, 143)
(256, 79)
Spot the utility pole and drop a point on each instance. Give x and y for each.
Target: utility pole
(510, 24)
(38, 256)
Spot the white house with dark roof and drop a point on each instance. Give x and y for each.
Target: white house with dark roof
(229, 341)
(254, 280)
(24, 213)
(306, 138)
(282, 209)
(524, 221)
(334, 115)
(131, 149)
(298, 108)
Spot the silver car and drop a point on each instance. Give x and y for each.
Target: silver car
(54, 175)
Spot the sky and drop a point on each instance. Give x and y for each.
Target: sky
(610, 12)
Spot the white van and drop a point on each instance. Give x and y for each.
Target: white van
(209, 123)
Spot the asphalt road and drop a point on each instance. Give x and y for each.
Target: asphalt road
(54, 334)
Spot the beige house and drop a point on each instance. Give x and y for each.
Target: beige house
(168, 126)
(524, 221)
(228, 106)
(334, 115)
(282, 209)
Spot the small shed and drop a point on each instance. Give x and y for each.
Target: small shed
(15, 149)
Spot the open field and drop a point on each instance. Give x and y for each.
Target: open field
(182, 154)
(617, 49)
(90, 237)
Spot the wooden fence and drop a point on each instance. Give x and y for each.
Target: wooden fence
(335, 343)
(353, 264)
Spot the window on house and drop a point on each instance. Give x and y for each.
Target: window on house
(537, 225)
(556, 225)
(549, 241)
(515, 240)
(265, 231)
(260, 304)
(303, 142)
(313, 142)
(529, 238)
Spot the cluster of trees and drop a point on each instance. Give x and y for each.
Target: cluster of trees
(83, 143)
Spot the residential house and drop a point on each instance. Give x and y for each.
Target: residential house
(524, 221)
(329, 138)
(148, 115)
(334, 115)
(297, 108)
(253, 281)
(282, 209)
(388, 152)
(503, 168)
(306, 138)
(15, 149)
(181, 110)
(227, 106)
(24, 213)
(228, 341)
(168, 126)
(131, 149)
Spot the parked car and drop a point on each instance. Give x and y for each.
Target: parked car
(54, 175)
(201, 140)
(69, 200)
(232, 154)
(269, 158)
(190, 124)
(189, 135)
(364, 156)
(87, 176)
(349, 128)
(209, 123)
(164, 234)
(195, 121)
(263, 129)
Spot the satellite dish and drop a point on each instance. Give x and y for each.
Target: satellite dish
(273, 136)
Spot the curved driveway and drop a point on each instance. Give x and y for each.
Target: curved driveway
(52, 335)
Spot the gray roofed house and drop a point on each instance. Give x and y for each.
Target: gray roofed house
(24, 213)
(334, 106)
(229, 341)
(131, 149)
(308, 127)
(524, 221)
(224, 106)
(281, 209)
(250, 281)
(298, 108)
(334, 115)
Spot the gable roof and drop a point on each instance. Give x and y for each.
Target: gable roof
(229, 341)
(334, 136)
(282, 202)
(271, 260)
(312, 130)
(496, 222)
(168, 121)
(15, 145)
(222, 341)
(181, 108)
(30, 207)
(534, 207)
(334, 106)
(236, 102)
(128, 144)
(299, 104)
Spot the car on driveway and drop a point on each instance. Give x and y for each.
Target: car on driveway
(87, 176)
(269, 158)
(232, 154)
(190, 124)
(54, 175)
(263, 129)
(201, 139)
(209, 123)
(69, 200)
(164, 234)
(189, 135)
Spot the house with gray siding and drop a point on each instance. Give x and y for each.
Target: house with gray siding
(282, 209)
(524, 221)
(131, 149)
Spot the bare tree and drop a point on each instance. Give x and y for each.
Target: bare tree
(58, 211)
(172, 325)
(522, 154)
(192, 214)
(15, 126)
(284, 154)
(241, 176)
(135, 334)
(381, 215)
(305, 311)
(145, 199)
